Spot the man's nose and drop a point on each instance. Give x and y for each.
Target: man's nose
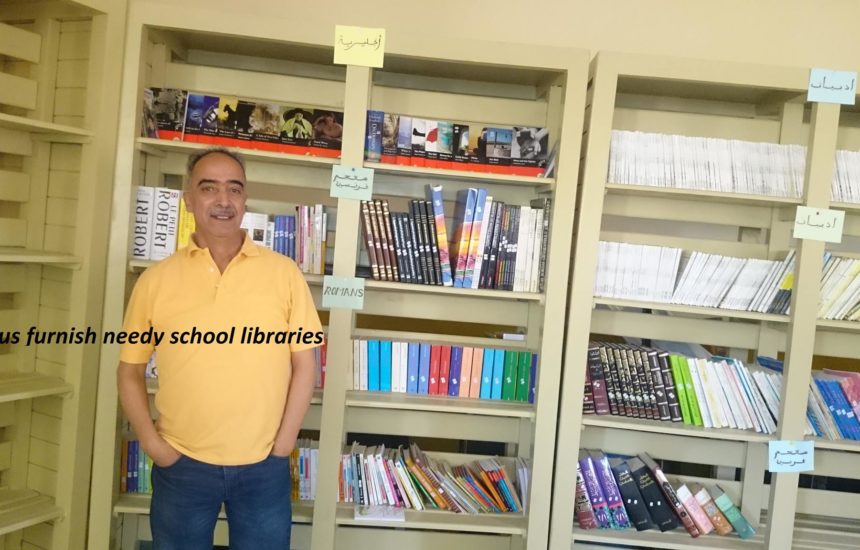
(223, 197)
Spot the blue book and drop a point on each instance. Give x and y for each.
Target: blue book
(456, 368)
(487, 374)
(843, 409)
(385, 365)
(498, 374)
(281, 234)
(291, 236)
(412, 361)
(132, 466)
(830, 402)
(532, 379)
(464, 213)
(424, 369)
(373, 137)
(373, 373)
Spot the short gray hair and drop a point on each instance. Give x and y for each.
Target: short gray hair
(197, 156)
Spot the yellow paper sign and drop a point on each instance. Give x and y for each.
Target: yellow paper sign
(359, 46)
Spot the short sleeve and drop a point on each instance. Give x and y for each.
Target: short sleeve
(303, 313)
(138, 318)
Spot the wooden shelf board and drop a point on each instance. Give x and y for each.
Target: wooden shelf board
(161, 146)
(445, 339)
(837, 444)
(678, 539)
(694, 310)
(11, 254)
(18, 386)
(450, 291)
(13, 122)
(693, 194)
(303, 511)
(436, 520)
(673, 428)
(853, 207)
(465, 175)
(23, 508)
(437, 403)
(838, 326)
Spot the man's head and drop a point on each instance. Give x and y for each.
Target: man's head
(215, 193)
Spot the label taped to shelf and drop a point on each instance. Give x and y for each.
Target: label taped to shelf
(826, 86)
(791, 456)
(359, 46)
(343, 292)
(379, 513)
(350, 182)
(819, 224)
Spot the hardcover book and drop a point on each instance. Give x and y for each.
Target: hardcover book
(164, 111)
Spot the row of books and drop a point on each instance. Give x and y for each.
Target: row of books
(409, 478)
(651, 273)
(302, 237)
(230, 121)
(641, 382)
(320, 360)
(724, 165)
(833, 406)
(161, 221)
(624, 492)
(840, 289)
(493, 245)
(455, 371)
(413, 141)
(135, 474)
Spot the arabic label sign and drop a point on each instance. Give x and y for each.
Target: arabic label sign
(343, 292)
(349, 182)
(791, 456)
(359, 46)
(819, 224)
(826, 86)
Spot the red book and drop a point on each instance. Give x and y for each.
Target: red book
(444, 369)
(435, 352)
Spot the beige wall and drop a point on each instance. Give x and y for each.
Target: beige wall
(790, 32)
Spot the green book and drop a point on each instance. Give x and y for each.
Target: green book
(692, 400)
(509, 376)
(523, 375)
(680, 389)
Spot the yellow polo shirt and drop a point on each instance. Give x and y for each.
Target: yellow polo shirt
(221, 403)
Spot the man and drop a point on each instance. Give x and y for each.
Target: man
(296, 126)
(229, 413)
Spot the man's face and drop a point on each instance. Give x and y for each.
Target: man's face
(299, 116)
(216, 195)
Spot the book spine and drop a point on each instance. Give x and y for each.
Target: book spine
(717, 519)
(735, 517)
(610, 381)
(434, 244)
(659, 386)
(388, 239)
(143, 214)
(617, 515)
(595, 493)
(369, 241)
(672, 498)
(165, 222)
(434, 195)
(633, 501)
(373, 141)
(417, 258)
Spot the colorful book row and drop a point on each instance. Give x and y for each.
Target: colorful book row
(229, 121)
(413, 141)
(639, 382)
(619, 494)
(493, 245)
(455, 371)
(303, 236)
(408, 478)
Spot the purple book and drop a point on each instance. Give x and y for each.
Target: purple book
(595, 492)
(454, 373)
(617, 515)
(582, 506)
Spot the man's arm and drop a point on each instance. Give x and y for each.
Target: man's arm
(131, 384)
(298, 400)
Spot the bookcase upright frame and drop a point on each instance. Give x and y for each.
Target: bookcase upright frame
(714, 89)
(153, 38)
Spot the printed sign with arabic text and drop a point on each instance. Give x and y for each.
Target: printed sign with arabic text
(826, 86)
(359, 46)
(819, 224)
(350, 182)
(791, 456)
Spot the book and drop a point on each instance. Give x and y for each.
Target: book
(164, 112)
(735, 517)
(373, 141)
(165, 222)
(633, 501)
(658, 507)
(670, 494)
(141, 238)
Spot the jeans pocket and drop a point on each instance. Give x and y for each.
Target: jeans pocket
(172, 466)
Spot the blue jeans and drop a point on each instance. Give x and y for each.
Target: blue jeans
(187, 497)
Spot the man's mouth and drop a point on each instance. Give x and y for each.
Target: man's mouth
(222, 216)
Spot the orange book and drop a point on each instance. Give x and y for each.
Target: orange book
(477, 370)
(483, 476)
(424, 481)
(466, 371)
(123, 469)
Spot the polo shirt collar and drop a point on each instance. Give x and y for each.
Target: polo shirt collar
(248, 247)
